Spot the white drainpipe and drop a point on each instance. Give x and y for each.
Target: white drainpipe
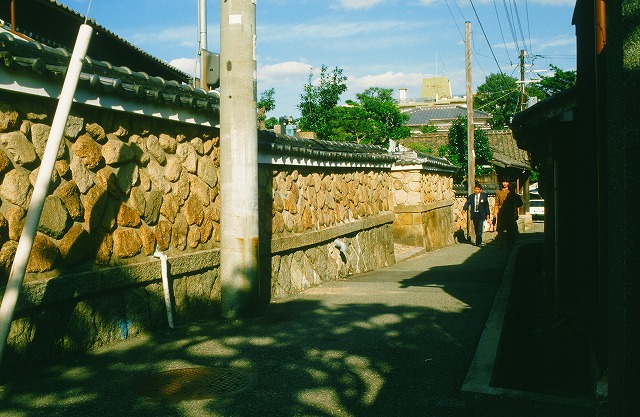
(165, 286)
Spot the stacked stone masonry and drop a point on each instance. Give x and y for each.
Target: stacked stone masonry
(123, 187)
(423, 204)
(308, 200)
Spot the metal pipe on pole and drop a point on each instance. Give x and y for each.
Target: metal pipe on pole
(202, 40)
(41, 187)
(239, 229)
(471, 155)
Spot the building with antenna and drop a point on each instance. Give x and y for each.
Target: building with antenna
(436, 88)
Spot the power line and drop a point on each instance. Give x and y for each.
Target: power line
(504, 42)
(517, 14)
(455, 22)
(526, 5)
(511, 26)
(460, 10)
(485, 36)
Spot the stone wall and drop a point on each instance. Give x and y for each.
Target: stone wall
(311, 207)
(123, 187)
(126, 186)
(423, 202)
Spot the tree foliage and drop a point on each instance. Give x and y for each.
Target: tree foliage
(385, 118)
(265, 104)
(350, 124)
(500, 96)
(317, 101)
(373, 119)
(561, 80)
(457, 149)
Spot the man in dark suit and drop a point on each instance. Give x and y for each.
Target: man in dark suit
(478, 206)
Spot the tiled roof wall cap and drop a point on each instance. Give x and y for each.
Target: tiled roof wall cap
(323, 148)
(428, 162)
(42, 59)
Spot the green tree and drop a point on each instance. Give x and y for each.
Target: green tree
(271, 122)
(456, 151)
(561, 80)
(500, 96)
(428, 129)
(318, 101)
(265, 104)
(351, 123)
(387, 121)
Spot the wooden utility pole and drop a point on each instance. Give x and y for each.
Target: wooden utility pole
(523, 103)
(471, 155)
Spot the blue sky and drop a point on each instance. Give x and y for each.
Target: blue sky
(377, 43)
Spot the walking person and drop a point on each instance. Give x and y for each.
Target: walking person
(478, 206)
(498, 214)
(508, 215)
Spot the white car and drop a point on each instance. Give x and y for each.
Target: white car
(536, 209)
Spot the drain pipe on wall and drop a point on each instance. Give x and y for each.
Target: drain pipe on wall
(165, 286)
(41, 187)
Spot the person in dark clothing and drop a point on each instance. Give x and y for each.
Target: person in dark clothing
(478, 206)
(501, 195)
(508, 215)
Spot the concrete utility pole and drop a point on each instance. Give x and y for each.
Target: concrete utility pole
(471, 155)
(239, 249)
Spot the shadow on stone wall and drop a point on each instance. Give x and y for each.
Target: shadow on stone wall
(265, 219)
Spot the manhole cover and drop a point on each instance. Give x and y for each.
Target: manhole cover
(194, 384)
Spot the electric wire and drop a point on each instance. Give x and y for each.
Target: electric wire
(504, 42)
(511, 27)
(485, 36)
(463, 36)
(460, 10)
(454, 19)
(517, 14)
(526, 5)
(513, 90)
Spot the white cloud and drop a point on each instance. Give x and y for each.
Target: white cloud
(283, 72)
(356, 4)
(559, 41)
(183, 36)
(187, 65)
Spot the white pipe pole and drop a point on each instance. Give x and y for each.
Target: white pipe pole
(202, 33)
(41, 187)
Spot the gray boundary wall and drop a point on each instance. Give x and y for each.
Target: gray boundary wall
(127, 185)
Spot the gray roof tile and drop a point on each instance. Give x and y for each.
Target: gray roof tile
(421, 116)
(31, 56)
